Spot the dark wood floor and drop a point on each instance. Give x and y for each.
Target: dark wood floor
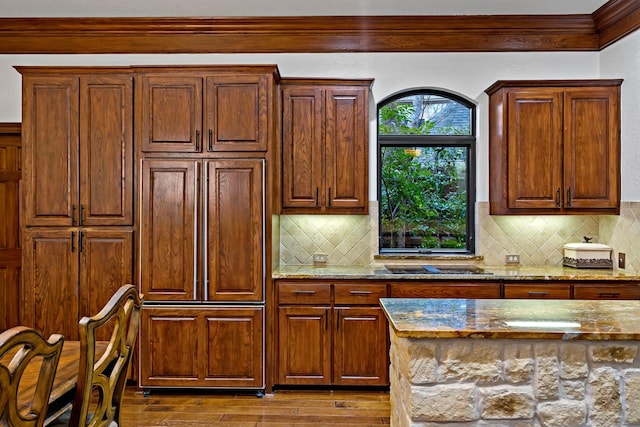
(281, 408)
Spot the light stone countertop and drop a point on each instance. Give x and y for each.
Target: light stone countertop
(513, 319)
(379, 272)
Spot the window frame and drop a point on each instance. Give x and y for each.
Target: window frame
(467, 141)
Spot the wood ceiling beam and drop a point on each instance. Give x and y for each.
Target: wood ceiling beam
(322, 34)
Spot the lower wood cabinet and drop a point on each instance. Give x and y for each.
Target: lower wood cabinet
(332, 334)
(625, 290)
(71, 273)
(434, 289)
(537, 290)
(202, 347)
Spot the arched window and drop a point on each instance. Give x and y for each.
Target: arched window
(426, 173)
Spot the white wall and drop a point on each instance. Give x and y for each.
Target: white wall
(467, 74)
(622, 60)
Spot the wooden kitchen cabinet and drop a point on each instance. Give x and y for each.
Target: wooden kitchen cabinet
(435, 289)
(206, 109)
(331, 334)
(618, 290)
(208, 251)
(78, 148)
(204, 346)
(554, 147)
(325, 146)
(69, 274)
(360, 346)
(537, 290)
(10, 233)
(77, 192)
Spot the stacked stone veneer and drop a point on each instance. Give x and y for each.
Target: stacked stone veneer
(528, 382)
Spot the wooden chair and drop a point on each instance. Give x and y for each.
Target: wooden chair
(102, 377)
(19, 347)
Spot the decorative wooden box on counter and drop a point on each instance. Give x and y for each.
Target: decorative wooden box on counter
(569, 363)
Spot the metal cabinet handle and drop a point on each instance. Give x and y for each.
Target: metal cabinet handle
(81, 214)
(538, 293)
(197, 140)
(210, 140)
(608, 294)
(80, 244)
(73, 214)
(304, 292)
(317, 190)
(558, 197)
(73, 241)
(569, 196)
(360, 292)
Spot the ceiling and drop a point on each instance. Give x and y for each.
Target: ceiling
(214, 8)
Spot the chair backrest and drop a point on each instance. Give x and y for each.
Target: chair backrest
(102, 377)
(20, 348)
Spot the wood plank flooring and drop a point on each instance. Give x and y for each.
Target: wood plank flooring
(282, 408)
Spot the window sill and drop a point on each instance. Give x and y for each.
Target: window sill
(431, 257)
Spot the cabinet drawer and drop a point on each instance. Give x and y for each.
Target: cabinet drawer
(449, 290)
(304, 293)
(555, 291)
(600, 291)
(351, 294)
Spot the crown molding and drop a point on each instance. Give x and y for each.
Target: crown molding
(321, 34)
(616, 19)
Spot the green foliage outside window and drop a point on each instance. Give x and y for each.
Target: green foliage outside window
(423, 185)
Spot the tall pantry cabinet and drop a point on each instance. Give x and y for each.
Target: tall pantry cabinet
(77, 214)
(205, 136)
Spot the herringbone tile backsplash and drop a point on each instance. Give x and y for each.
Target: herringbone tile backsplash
(352, 239)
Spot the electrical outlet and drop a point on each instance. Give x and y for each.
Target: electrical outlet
(320, 259)
(512, 259)
(622, 260)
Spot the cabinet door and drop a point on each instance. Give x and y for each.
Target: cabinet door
(50, 293)
(233, 356)
(168, 230)
(346, 149)
(171, 347)
(201, 347)
(106, 263)
(534, 148)
(10, 245)
(592, 148)
(170, 113)
(304, 349)
(50, 140)
(234, 224)
(237, 112)
(360, 346)
(106, 153)
(302, 147)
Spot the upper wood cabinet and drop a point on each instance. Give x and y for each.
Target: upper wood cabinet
(206, 109)
(554, 147)
(78, 148)
(325, 143)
